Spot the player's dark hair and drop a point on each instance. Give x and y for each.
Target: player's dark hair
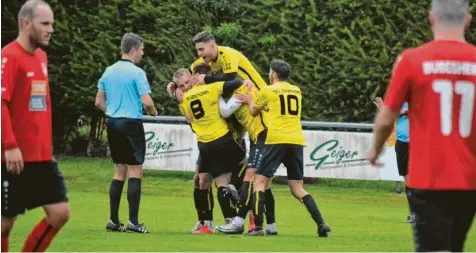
(203, 37)
(27, 10)
(130, 41)
(202, 68)
(281, 68)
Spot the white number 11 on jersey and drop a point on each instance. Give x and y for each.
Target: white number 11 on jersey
(467, 90)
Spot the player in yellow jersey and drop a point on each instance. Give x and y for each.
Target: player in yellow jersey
(284, 143)
(226, 63)
(256, 128)
(203, 196)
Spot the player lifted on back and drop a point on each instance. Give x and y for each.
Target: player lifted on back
(284, 143)
(226, 64)
(30, 174)
(438, 79)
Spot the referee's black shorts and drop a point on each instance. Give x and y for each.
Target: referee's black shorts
(126, 140)
(401, 150)
(442, 218)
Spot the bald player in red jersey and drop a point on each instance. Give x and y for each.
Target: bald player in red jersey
(30, 175)
(438, 79)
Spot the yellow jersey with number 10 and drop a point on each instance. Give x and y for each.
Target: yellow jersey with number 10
(284, 102)
(201, 103)
(230, 60)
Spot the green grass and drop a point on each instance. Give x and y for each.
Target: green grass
(364, 216)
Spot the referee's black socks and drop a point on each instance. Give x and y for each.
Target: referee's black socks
(133, 197)
(115, 192)
(312, 208)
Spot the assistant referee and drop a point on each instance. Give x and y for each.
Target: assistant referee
(123, 91)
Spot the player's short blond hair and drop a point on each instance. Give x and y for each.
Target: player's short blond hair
(179, 73)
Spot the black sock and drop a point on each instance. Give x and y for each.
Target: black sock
(224, 198)
(206, 205)
(269, 204)
(258, 208)
(211, 200)
(197, 198)
(133, 196)
(312, 208)
(115, 192)
(245, 199)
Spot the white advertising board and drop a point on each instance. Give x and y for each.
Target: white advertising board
(328, 154)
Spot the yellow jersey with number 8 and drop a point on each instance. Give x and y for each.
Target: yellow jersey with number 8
(284, 102)
(201, 103)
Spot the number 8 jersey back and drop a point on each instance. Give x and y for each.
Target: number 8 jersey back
(201, 103)
(283, 119)
(438, 80)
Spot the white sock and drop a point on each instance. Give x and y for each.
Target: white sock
(271, 227)
(239, 221)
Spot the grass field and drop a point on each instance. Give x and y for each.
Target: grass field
(364, 216)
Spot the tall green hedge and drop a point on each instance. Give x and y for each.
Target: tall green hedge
(341, 51)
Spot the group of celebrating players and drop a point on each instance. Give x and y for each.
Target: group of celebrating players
(224, 97)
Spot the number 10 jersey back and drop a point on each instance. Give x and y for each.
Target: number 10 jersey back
(283, 119)
(438, 80)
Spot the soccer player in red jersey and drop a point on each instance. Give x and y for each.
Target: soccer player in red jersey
(438, 79)
(30, 174)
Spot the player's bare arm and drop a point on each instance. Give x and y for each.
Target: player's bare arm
(246, 98)
(383, 128)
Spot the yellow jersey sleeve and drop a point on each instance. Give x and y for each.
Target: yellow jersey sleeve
(230, 60)
(195, 63)
(262, 98)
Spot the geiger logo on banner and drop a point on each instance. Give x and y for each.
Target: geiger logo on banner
(331, 155)
(157, 148)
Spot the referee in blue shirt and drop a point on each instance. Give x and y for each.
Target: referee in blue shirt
(123, 91)
(402, 143)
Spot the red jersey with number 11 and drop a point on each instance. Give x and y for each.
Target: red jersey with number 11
(26, 108)
(438, 80)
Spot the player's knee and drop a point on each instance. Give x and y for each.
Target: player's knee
(204, 181)
(7, 225)
(249, 175)
(297, 189)
(221, 181)
(259, 183)
(58, 215)
(268, 184)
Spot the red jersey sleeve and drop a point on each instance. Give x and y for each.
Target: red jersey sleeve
(399, 88)
(9, 70)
